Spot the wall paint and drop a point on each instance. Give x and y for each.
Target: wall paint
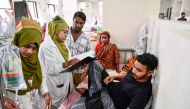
(69, 8)
(170, 42)
(123, 18)
(186, 7)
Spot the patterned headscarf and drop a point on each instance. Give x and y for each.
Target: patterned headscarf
(103, 48)
(29, 32)
(104, 32)
(98, 45)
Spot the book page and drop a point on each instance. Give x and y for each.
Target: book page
(84, 55)
(84, 58)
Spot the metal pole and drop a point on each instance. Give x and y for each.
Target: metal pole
(1, 93)
(2, 99)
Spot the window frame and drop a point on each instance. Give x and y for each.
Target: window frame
(35, 8)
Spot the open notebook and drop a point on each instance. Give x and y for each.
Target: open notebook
(84, 58)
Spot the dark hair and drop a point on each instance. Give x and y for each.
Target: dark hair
(182, 13)
(105, 32)
(36, 44)
(80, 14)
(148, 60)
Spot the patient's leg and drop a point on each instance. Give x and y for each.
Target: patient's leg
(96, 75)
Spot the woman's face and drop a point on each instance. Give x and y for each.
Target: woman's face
(28, 50)
(63, 34)
(104, 38)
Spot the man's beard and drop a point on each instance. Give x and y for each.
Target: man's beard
(140, 78)
(77, 29)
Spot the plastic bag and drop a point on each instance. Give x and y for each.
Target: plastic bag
(11, 67)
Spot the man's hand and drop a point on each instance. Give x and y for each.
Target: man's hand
(108, 79)
(118, 71)
(9, 104)
(48, 101)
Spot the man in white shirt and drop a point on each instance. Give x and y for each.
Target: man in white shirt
(77, 41)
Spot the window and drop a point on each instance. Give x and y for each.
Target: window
(33, 9)
(7, 24)
(51, 10)
(6, 4)
(51, 7)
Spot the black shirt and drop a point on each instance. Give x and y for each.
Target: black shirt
(130, 93)
(182, 19)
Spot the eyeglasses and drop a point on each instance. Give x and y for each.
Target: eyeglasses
(66, 32)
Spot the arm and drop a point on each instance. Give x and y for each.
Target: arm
(120, 76)
(48, 62)
(71, 62)
(44, 91)
(43, 88)
(10, 104)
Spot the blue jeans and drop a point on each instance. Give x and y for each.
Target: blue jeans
(95, 76)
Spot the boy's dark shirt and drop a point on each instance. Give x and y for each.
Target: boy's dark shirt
(182, 19)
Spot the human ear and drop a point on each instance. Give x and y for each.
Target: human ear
(150, 73)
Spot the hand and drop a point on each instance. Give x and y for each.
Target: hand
(108, 79)
(118, 71)
(84, 74)
(9, 104)
(84, 66)
(48, 101)
(122, 72)
(73, 61)
(81, 90)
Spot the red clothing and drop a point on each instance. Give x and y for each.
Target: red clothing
(97, 47)
(43, 32)
(129, 64)
(108, 55)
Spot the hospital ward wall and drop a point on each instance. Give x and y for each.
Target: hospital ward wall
(170, 41)
(123, 18)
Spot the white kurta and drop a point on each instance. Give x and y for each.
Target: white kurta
(51, 62)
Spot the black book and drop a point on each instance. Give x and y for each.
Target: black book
(84, 58)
